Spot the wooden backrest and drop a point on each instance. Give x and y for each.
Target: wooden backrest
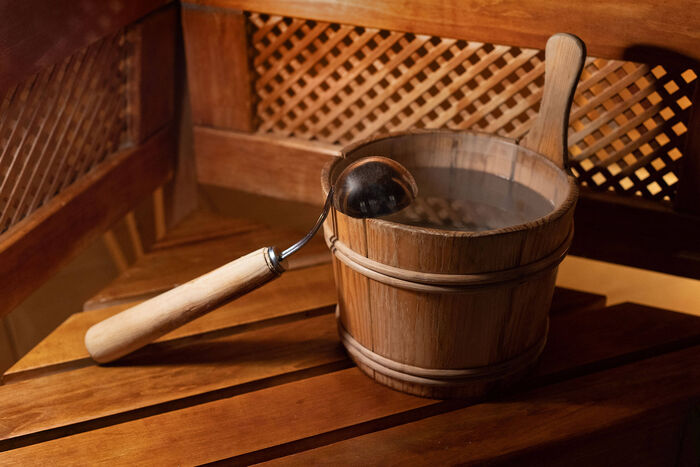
(277, 88)
(86, 125)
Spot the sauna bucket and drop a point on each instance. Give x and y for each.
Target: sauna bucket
(451, 313)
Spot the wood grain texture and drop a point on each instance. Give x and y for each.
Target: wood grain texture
(200, 226)
(592, 420)
(141, 324)
(155, 377)
(166, 267)
(30, 30)
(33, 249)
(152, 72)
(336, 83)
(258, 164)
(429, 289)
(218, 73)
(295, 294)
(564, 58)
(342, 405)
(609, 31)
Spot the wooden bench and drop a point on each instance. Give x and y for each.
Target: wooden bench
(276, 88)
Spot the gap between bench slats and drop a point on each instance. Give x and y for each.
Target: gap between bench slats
(629, 415)
(164, 268)
(340, 403)
(293, 296)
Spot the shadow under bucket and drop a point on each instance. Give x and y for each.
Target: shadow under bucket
(450, 297)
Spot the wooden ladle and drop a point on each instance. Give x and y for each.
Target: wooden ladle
(369, 187)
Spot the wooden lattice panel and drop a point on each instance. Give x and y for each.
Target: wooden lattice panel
(627, 126)
(59, 124)
(337, 83)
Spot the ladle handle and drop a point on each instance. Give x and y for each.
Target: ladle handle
(135, 327)
(564, 58)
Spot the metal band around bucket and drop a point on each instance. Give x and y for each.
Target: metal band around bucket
(443, 283)
(440, 377)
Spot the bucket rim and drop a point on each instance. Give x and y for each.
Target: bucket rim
(566, 206)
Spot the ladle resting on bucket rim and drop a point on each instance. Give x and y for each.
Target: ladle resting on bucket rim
(369, 187)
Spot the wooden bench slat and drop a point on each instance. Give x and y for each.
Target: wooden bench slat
(164, 268)
(614, 417)
(347, 398)
(202, 225)
(166, 372)
(293, 294)
(343, 405)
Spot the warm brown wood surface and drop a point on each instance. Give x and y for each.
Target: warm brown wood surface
(152, 72)
(297, 293)
(608, 29)
(165, 267)
(218, 74)
(30, 30)
(315, 82)
(201, 225)
(270, 392)
(263, 165)
(577, 422)
(141, 324)
(34, 248)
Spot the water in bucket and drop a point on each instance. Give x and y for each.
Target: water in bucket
(470, 200)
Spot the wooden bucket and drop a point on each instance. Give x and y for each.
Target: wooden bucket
(451, 313)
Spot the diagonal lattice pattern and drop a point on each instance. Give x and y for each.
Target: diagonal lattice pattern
(59, 124)
(627, 126)
(338, 83)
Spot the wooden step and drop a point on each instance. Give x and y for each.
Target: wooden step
(282, 389)
(199, 244)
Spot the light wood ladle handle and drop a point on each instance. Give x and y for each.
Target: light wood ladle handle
(564, 58)
(131, 329)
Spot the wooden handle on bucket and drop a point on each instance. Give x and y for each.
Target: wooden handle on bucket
(133, 328)
(564, 58)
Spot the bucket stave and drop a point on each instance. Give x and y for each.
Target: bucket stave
(449, 313)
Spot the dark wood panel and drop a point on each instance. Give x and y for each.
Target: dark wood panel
(35, 248)
(296, 293)
(218, 70)
(615, 417)
(152, 73)
(608, 29)
(280, 168)
(339, 405)
(35, 34)
(688, 197)
(636, 232)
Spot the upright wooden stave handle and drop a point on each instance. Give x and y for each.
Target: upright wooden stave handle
(565, 55)
(131, 329)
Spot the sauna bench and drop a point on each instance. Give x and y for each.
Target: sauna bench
(265, 379)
